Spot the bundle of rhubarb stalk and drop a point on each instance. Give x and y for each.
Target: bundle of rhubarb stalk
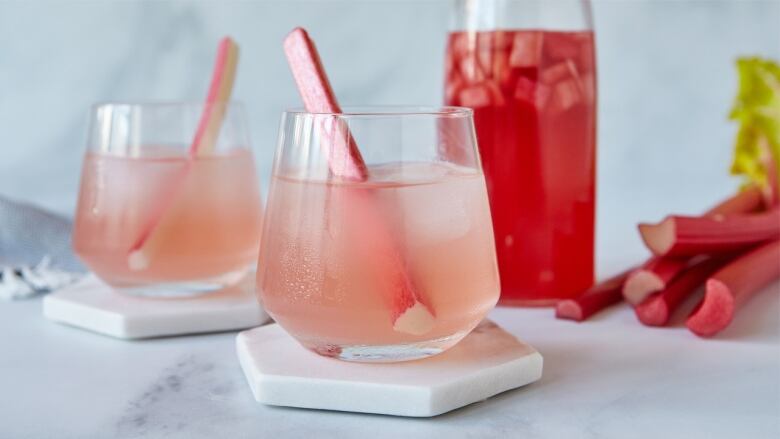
(730, 252)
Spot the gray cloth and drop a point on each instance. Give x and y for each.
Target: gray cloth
(35, 251)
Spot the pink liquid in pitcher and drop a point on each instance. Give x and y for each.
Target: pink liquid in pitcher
(533, 96)
(209, 232)
(315, 269)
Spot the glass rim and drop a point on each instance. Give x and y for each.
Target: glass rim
(387, 111)
(162, 104)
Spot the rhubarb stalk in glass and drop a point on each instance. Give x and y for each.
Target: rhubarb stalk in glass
(409, 311)
(140, 255)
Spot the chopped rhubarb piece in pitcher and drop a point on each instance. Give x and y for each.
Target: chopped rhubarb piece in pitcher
(535, 114)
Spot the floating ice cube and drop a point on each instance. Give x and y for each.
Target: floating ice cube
(436, 213)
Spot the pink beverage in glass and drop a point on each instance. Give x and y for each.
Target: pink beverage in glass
(211, 230)
(330, 245)
(533, 95)
(198, 216)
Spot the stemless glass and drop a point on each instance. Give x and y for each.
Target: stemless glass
(527, 68)
(395, 267)
(155, 219)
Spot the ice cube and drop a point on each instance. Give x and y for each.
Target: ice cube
(526, 49)
(435, 213)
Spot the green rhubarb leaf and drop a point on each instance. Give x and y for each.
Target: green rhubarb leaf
(757, 111)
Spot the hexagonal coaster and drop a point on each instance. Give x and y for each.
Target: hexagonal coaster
(93, 305)
(485, 363)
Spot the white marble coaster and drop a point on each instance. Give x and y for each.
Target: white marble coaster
(91, 304)
(487, 362)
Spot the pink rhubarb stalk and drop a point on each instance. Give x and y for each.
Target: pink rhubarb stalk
(140, 254)
(732, 286)
(657, 272)
(409, 311)
(688, 236)
(593, 300)
(657, 309)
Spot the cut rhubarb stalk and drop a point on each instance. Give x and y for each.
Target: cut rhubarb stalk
(658, 308)
(593, 300)
(653, 276)
(526, 50)
(687, 236)
(731, 286)
(471, 70)
(657, 272)
(476, 96)
(149, 241)
(745, 201)
(409, 312)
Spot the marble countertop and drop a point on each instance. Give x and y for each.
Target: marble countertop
(606, 378)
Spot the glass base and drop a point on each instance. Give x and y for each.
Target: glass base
(388, 353)
(182, 289)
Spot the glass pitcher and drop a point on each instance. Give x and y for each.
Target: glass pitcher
(527, 69)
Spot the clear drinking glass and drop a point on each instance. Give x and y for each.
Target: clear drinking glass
(527, 69)
(156, 218)
(395, 267)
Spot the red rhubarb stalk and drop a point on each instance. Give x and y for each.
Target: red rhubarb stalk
(747, 200)
(688, 236)
(732, 286)
(657, 272)
(409, 311)
(657, 309)
(147, 244)
(593, 300)
(653, 276)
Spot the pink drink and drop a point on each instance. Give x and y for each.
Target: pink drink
(533, 96)
(315, 274)
(209, 234)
